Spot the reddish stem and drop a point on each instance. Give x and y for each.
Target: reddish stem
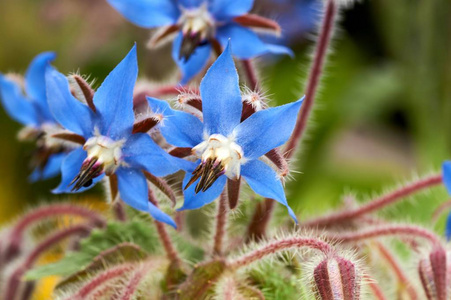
(375, 288)
(44, 212)
(376, 204)
(440, 210)
(410, 230)
(260, 220)
(314, 77)
(163, 234)
(102, 278)
(133, 283)
(221, 223)
(280, 246)
(15, 279)
(402, 278)
(249, 69)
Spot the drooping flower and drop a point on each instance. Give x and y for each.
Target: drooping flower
(225, 146)
(24, 99)
(202, 26)
(112, 144)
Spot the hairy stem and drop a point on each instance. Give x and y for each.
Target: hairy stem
(376, 204)
(277, 246)
(251, 75)
(314, 76)
(375, 288)
(260, 220)
(221, 224)
(102, 278)
(14, 281)
(402, 278)
(163, 234)
(396, 230)
(55, 210)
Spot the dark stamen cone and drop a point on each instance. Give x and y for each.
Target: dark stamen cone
(190, 42)
(88, 171)
(208, 172)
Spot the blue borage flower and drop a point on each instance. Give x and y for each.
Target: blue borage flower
(31, 110)
(227, 147)
(446, 168)
(203, 25)
(110, 145)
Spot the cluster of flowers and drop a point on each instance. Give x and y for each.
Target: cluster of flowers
(218, 136)
(88, 134)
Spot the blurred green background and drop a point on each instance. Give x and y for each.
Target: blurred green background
(382, 115)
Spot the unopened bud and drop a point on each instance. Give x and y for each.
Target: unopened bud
(435, 274)
(336, 279)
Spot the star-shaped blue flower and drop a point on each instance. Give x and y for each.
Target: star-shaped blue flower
(110, 147)
(31, 110)
(227, 147)
(203, 25)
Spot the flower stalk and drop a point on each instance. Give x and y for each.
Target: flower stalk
(221, 224)
(376, 204)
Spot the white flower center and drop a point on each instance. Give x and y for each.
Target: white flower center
(104, 156)
(105, 151)
(197, 21)
(219, 156)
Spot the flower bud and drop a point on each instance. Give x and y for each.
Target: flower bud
(435, 274)
(336, 279)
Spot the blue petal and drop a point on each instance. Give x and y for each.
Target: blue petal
(246, 43)
(35, 81)
(448, 227)
(263, 180)
(141, 152)
(179, 128)
(279, 49)
(197, 61)
(446, 167)
(68, 111)
(133, 190)
(51, 169)
(147, 13)
(15, 104)
(221, 97)
(191, 3)
(267, 129)
(70, 168)
(114, 98)
(193, 200)
(227, 9)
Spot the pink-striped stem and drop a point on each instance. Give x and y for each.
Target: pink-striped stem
(135, 279)
(280, 245)
(221, 224)
(163, 234)
(402, 278)
(12, 249)
(314, 78)
(390, 230)
(14, 280)
(376, 204)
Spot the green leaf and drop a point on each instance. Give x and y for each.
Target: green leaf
(115, 233)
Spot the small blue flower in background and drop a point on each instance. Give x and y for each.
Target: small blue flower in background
(227, 147)
(203, 26)
(109, 145)
(446, 167)
(31, 110)
(296, 18)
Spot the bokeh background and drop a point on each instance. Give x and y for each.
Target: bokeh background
(383, 113)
